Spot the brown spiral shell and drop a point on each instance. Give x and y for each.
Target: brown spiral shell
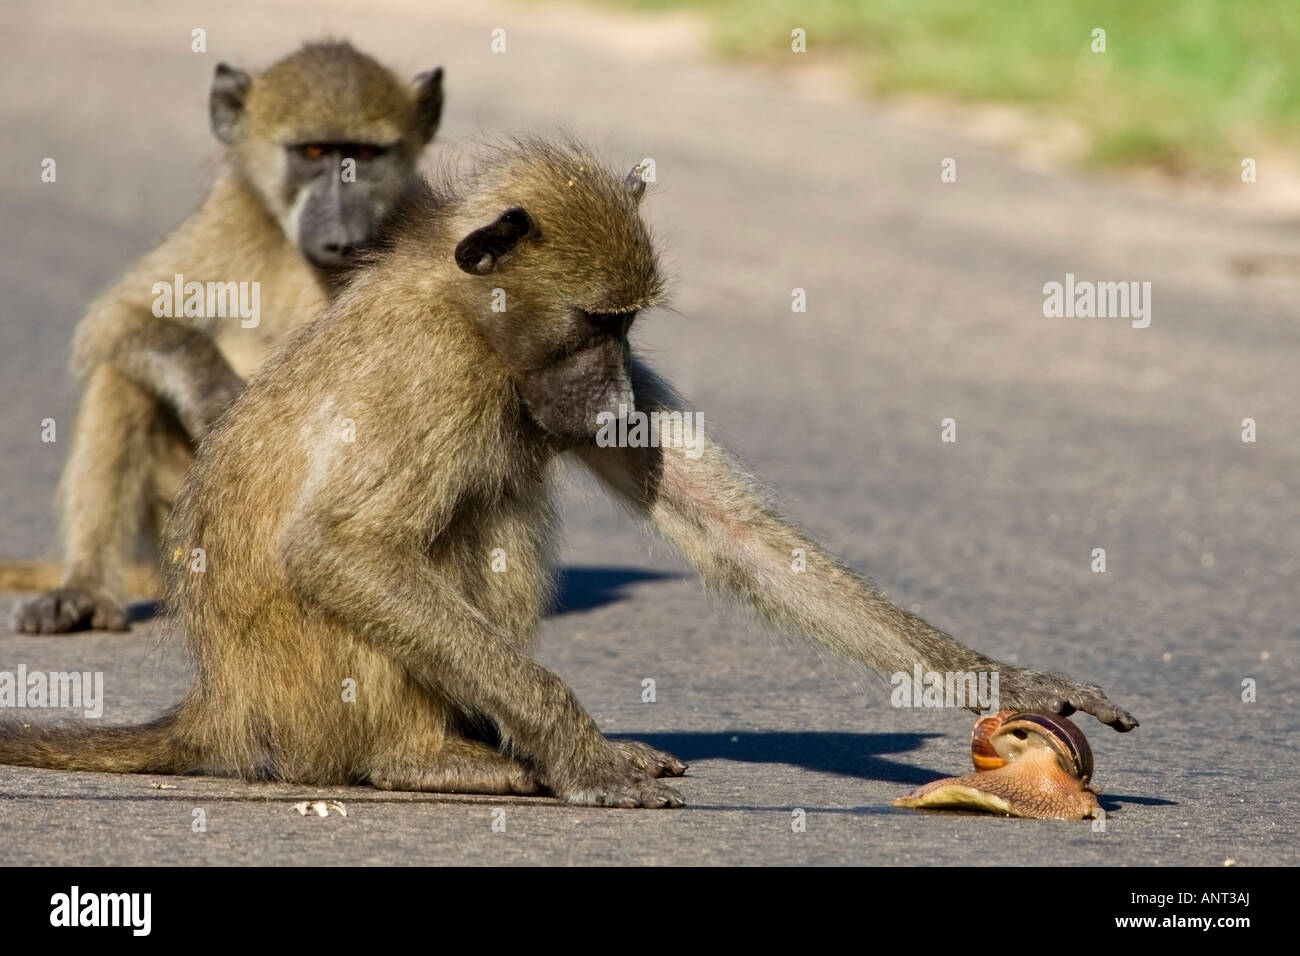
(999, 738)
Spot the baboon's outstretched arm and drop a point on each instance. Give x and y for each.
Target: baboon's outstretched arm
(741, 545)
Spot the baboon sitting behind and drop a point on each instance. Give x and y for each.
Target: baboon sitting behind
(317, 150)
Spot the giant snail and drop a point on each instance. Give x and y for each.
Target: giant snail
(1026, 765)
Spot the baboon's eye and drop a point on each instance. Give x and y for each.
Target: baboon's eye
(363, 151)
(312, 151)
(617, 322)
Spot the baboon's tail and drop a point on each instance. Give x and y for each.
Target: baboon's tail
(155, 747)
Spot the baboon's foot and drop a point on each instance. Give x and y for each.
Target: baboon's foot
(651, 762)
(462, 766)
(626, 793)
(70, 609)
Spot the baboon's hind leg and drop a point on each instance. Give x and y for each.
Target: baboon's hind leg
(461, 766)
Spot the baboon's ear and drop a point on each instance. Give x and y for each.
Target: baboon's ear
(226, 102)
(428, 102)
(480, 251)
(634, 182)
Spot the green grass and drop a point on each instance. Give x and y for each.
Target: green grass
(1183, 84)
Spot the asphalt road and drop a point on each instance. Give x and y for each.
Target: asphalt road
(924, 302)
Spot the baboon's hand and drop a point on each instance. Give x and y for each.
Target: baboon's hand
(1020, 688)
(652, 762)
(70, 609)
(617, 780)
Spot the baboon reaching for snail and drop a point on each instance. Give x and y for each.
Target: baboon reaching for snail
(317, 150)
(349, 504)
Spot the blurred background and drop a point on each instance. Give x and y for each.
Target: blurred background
(817, 171)
(1188, 88)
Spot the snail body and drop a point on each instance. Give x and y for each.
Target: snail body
(1026, 765)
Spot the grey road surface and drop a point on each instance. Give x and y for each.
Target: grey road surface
(924, 302)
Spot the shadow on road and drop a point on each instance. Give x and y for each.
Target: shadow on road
(1110, 802)
(849, 754)
(583, 588)
(140, 611)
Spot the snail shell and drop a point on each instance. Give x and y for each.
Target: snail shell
(999, 739)
(1027, 764)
